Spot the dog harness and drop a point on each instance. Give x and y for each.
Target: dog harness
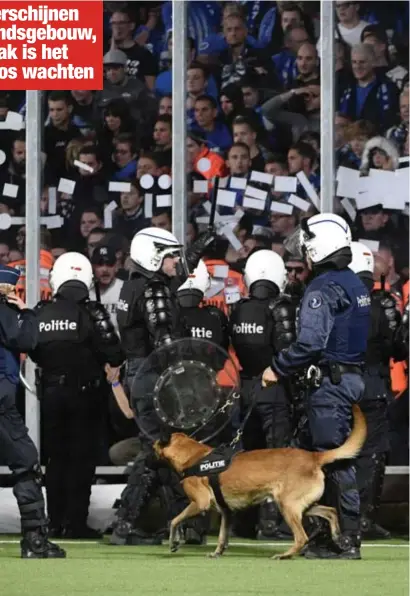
(211, 466)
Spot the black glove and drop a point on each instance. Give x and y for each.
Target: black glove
(389, 306)
(197, 248)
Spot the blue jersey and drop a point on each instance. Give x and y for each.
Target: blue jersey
(334, 324)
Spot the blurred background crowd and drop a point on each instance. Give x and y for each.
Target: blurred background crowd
(253, 104)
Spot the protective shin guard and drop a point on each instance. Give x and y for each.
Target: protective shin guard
(269, 519)
(27, 490)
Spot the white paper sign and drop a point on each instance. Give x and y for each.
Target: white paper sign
(53, 222)
(225, 198)
(221, 271)
(119, 187)
(277, 207)
(200, 186)
(148, 198)
(310, 191)
(285, 184)
(108, 214)
(261, 177)
(67, 186)
(83, 166)
(348, 207)
(299, 203)
(347, 182)
(10, 190)
(164, 200)
(52, 200)
(251, 203)
(237, 183)
(256, 193)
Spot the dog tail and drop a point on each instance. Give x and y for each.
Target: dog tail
(352, 446)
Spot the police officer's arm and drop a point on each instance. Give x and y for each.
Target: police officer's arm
(283, 311)
(390, 319)
(401, 338)
(18, 329)
(224, 325)
(157, 311)
(315, 324)
(197, 249)
(105, 339)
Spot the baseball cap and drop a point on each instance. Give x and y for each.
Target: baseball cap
(103, 255)
(115, 57)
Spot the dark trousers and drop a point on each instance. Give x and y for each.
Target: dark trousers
(20, 455)
(72, 421)
(269, 424)
(370, 464)
(329, 412)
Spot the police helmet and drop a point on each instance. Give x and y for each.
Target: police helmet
(323, 235)
(198, 280)
(362, 258)
(71, 266)
(150, 246)
(265, 265)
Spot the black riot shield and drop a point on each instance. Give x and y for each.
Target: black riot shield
(189, 385)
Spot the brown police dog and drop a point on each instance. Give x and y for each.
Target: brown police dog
(293, 477)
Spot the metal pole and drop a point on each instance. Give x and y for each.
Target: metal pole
(327, 106)
(179, 68)
(33, 192)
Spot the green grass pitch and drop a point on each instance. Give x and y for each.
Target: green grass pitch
(245, 570)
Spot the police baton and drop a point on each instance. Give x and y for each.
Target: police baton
(97, 290)
(213, 204)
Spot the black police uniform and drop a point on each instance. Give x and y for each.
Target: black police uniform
(149, 317)
(260, 326)
(18, 333)
(76, 340)
(371, 463)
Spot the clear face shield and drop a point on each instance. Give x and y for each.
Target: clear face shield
(178, 252)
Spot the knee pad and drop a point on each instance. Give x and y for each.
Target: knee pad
(33, 473)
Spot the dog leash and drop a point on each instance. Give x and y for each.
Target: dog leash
(238, 436)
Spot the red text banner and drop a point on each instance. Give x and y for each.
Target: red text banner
(51, 45)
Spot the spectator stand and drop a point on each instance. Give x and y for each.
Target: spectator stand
(271, 191)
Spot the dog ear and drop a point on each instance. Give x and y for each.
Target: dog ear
(164, 436)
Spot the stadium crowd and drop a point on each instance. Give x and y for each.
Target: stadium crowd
(253, 104)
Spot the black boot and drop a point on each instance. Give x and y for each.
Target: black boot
(35, 545)
(347, 547)
(123, 534)
(372, 531)
(196, 529)
(269, 519)
(142, 482)
(370, 501)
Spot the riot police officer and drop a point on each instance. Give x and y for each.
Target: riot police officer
(76, 340)
(209, 322)
(371, 463)
(149, 317)
(334, 323)
(18, 333)
(260, 326)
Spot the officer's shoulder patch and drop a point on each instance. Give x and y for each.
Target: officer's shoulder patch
(315, 302)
